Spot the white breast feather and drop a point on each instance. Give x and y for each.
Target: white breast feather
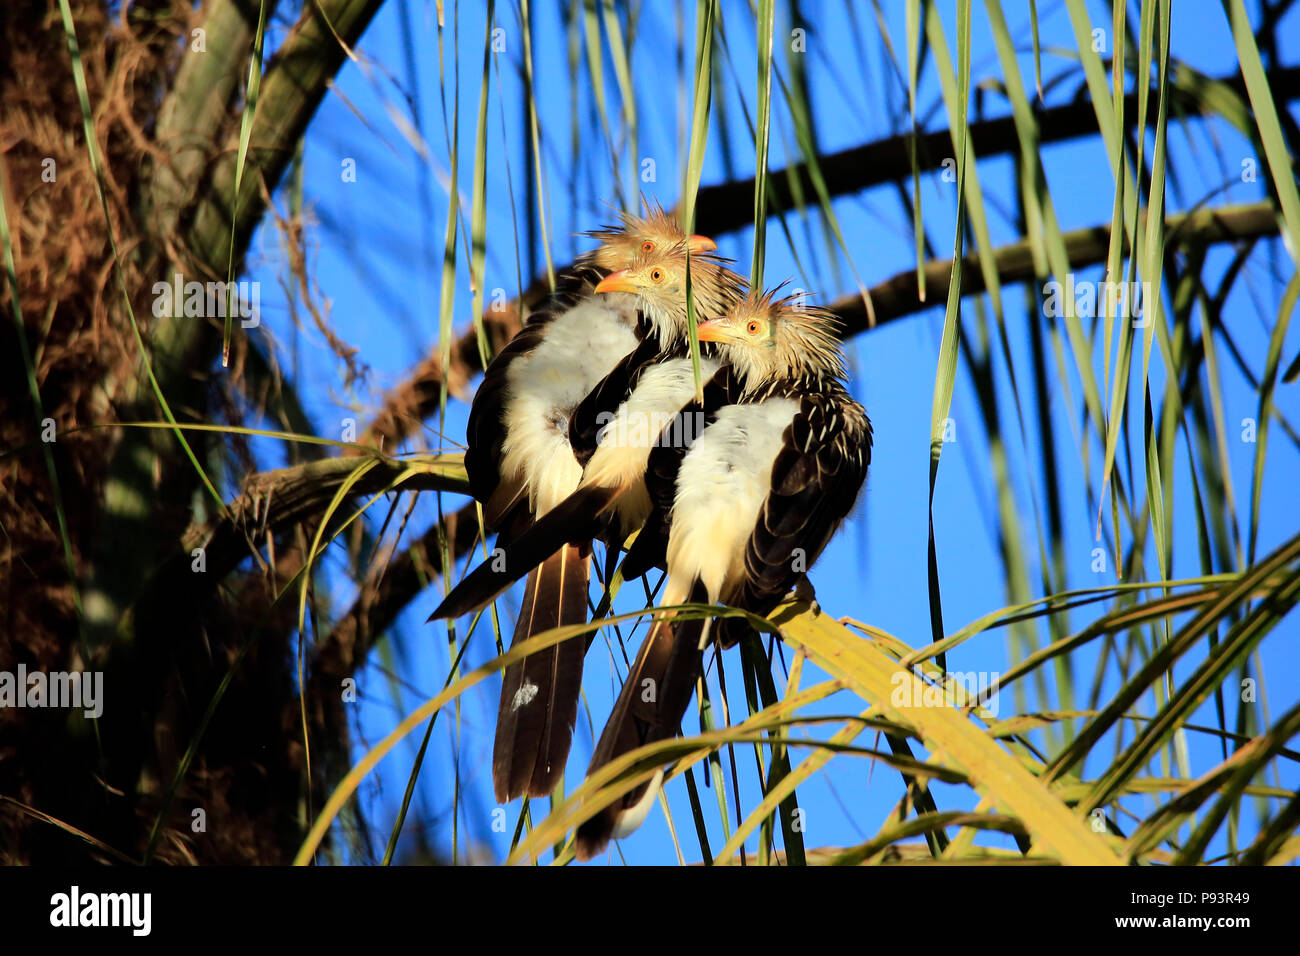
(723, 482)
(581, 347)
(626, 440)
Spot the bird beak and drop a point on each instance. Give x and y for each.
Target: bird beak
(712, 331)
(616, 282)
(698, 244)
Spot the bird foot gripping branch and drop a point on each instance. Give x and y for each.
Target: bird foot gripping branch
(805, 592)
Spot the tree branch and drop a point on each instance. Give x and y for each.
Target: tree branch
(728, 206)
(270, 503)
(897, 297)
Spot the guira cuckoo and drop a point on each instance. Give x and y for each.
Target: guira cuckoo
(741, 512)
(520, 463)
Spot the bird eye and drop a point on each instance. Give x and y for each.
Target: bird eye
(656, 275)
(753, 327)
(647, 246)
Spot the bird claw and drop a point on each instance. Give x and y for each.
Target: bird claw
(803, 591)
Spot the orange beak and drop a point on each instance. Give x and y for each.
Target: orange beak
(616, 282)
(711, 331)
(698, 244)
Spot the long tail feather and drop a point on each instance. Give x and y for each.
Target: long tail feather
(539, 695)
(649, 708)
(576, 519)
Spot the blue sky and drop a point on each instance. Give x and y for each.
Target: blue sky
(376, 250)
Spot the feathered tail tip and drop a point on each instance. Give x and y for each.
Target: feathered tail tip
(618, 821)
(649, 708)
(539, 695)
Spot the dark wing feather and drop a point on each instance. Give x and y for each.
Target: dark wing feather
(575, 520)
(649, 708)
(815, 483)
(485, 432)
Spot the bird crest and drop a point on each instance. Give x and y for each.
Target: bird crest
(769, 338)
(654, 231)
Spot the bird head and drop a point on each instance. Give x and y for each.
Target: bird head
(767, 339)
(658, 280)
(639, 236)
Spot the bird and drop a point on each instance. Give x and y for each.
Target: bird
(616, 426)
(742, 510)
(520, 463)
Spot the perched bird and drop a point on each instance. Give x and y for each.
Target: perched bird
(745, 509)
(520, 463)
(653, 391)
(617, 425)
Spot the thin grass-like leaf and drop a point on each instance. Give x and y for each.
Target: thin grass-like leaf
(766, 23)
(913, 26)
(478, 221)
(1267, 386)
(245, 133)
(1223, 602)
(1268, 121)
(618, 53)
(535, 139)
(706, 15)
(945, 374)
(448, 293)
